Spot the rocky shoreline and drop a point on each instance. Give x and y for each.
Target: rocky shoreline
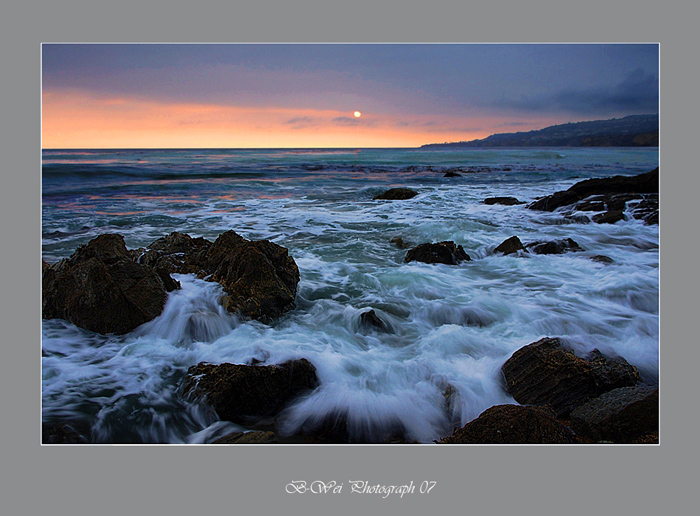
(563, 398)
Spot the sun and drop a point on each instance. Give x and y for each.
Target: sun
(357, 114)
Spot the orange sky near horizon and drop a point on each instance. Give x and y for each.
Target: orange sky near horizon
(73, 119)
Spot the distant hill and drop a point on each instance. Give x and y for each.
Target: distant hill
(630, 131)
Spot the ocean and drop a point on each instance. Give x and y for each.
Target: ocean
(451, 327)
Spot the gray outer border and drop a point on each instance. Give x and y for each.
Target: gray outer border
(473, 480)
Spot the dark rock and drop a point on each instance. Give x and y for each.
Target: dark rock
(259, 277)
(61, 433)
(600, 258)
(620, 415)
(554, 247)
(100, 288)
(510, 246)
(513, 424)
(443, 252)
(507, 201)
(398, 241)
(652, 438)
(619, 202)
(594, 204)
(335, 428)
(577, 218)
(371, 320)
(240, 393)
(653, 218)
(609, 217)
(177, 252)
(258, 437)
(396, 194)
(546, 373)
(643, 183)
(44, 266)
(450, 173)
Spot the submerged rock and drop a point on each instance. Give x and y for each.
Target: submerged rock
(240, 393)
(620, 415)
(513, 424)
(510, 246)
(547, 373)
(100, 288)
(443, 252)
(506, 201)
(601, 258)
(396, 194)
(451, 173)
(398, 241)
(371, 320)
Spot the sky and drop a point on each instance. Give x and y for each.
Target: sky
(307, 95)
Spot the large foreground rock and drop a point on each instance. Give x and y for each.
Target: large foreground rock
(547, 373)
(259, 277)
(443, 252)
(106, 288)
(100, 288)
(241, 393)
(620, 415)
(513, 424)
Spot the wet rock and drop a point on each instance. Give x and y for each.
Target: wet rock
(335, 428)
(370, 320)
(395, 194)
(256, 437)
(577, 218)
(592, 204)
(600, 258)
(547, 373)
(609, 217)
(443, 252)
(259, 277)
(643, 183)
(451, 173)
(61, 433)
(398, 241)
(100, 288)
(240, 393)
(554, 247)
(176, 252)
(651, 438)
(513, 424)
(507, 201)
(620, 415)
(510, 246)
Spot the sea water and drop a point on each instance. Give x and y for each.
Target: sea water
(451, 328)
